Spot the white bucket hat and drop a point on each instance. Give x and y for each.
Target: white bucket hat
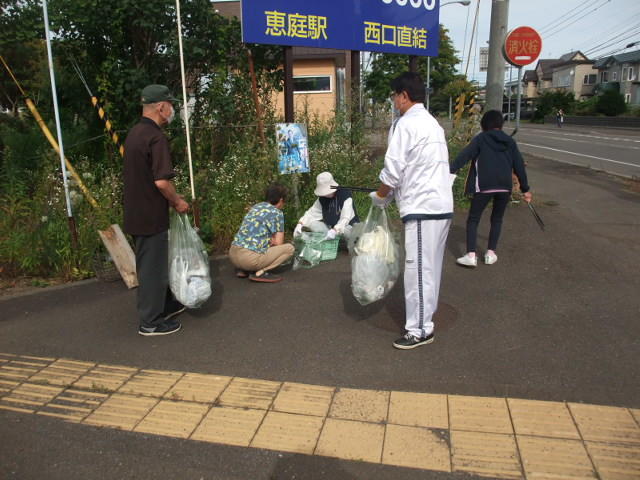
(324, 182)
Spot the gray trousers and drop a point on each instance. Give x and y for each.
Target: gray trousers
(155, 299)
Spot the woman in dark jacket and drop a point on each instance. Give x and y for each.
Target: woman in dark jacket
(494, 156)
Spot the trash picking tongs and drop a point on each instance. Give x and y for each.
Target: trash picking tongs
(536, 216)
(113, 238)
(355, 189)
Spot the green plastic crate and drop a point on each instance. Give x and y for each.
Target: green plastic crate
(329, 248)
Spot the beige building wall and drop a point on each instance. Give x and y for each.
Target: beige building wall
(579, 88)
(530, 90)
(321, 104)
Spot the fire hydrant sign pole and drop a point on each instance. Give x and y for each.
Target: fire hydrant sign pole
(522, 46)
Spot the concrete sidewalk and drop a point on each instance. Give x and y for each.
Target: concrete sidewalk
(555, 320)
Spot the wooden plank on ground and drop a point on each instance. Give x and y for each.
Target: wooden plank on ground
(121, 253)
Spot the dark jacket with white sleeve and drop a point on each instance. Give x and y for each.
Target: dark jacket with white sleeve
(494, 156)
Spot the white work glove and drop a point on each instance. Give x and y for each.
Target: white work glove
(331, 234)
(298, 230)
(380, 202)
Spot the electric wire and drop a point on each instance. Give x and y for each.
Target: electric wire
(565, 16)
(548, 35)
(611, 42)
(464, 42)
(615, 29)
(613, 52)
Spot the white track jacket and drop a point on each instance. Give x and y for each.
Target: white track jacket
(416, 166)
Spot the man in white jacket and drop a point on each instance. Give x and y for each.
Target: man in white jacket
(416, 174)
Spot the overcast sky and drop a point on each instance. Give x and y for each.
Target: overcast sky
(564, 25)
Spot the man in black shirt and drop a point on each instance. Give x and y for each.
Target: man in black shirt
(148, 194)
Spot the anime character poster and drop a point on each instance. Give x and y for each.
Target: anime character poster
(293, 150)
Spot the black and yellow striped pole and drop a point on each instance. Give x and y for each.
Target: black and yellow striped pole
(48, 135)
(101, 113)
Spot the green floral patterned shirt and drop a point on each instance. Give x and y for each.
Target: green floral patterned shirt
(258, 226)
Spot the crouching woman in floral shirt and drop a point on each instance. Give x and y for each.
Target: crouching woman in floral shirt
(259, 246)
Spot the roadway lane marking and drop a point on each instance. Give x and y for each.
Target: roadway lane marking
(486, 436)
(619, 139)
(621, 147)
(579, 154)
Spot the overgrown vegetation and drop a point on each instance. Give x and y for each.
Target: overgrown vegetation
(138, 45)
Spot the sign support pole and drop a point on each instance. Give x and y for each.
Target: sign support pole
(413, 63)
(519, 97)
(289, 112)
(355, 81)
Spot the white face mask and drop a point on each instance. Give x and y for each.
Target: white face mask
(172, 115)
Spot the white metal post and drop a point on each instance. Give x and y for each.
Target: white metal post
(185, 101)
(519, 95)
(428, 80)
(55, 109)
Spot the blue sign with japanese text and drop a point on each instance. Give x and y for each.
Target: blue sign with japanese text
(409, 27)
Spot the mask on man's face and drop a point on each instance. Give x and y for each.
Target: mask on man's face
(172, 115)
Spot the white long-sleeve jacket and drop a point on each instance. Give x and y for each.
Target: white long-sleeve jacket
(416, 166)
(314, 214)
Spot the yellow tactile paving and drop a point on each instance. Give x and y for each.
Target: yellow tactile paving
(73, 405)
(479, 414)
(303, 399)
(351, 440)
(7, 385)
(486, 436)
(361, 405)
(62, 372)
(419, 410)
(198, 388)
(105, 378)
(20, 370)
(229, 425)
(545, 419)
(30, 396)
(121, 411)
(288, 432)
(605, 424)
(244, 392)
(484, 453)
(174, 419)
(555, 458)
(416, 447)
(150, 382)
(615, 462)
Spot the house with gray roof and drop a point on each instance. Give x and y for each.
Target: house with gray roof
(620, 72)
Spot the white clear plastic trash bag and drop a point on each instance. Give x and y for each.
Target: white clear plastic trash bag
(375, 260)
(189, 277)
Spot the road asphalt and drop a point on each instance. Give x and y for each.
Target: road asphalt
(555, 319)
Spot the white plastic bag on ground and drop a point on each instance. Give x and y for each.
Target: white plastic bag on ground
(375, 262)
(189, 277)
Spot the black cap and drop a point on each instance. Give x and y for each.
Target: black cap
(157, 93)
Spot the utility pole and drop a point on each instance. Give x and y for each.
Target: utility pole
(495, 70)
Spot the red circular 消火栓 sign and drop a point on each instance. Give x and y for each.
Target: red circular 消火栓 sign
(522, 46)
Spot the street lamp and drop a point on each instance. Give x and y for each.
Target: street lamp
(465, 3)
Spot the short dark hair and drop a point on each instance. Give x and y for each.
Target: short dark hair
(275, 192)
(491, 120)
(411, 83)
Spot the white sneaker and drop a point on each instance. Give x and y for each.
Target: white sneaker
(490, 258)
(467, 261)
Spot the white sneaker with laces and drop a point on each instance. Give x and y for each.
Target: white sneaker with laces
(490, 258)
(467, 261)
